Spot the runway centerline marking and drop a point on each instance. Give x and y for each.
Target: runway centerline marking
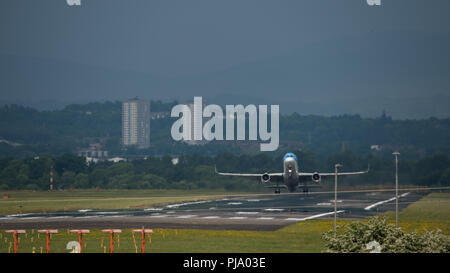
(385, 201)
(238, 218)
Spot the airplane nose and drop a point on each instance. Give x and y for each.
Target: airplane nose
(289, 160)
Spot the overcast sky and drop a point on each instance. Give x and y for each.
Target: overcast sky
(136, 47)
(185, 37)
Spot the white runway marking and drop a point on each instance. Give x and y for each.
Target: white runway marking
(30, 218)
(253, 200)
(18, 215)
(186, 216)
(84, 210)
(324, 204)
(274, 209)
(313, 216)
(153, 209)
(159, 215)
(265, 218)
(247, 212)
(385, 201)
(211, 217)
(293, 219)
(51, 217)
(235, 203)
(187, 203)
(238, 218)
(107, 212)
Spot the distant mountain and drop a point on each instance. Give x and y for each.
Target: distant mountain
(404, 73)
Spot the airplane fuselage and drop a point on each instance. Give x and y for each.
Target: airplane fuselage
(290, 172)
(291, 177)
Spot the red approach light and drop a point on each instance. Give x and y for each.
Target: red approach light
(48, 232)
(112, 231)
(80, 236)
(143, 232)
(16, 233)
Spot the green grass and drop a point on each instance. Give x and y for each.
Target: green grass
(41, 201)
(430, 212)
(304, 237)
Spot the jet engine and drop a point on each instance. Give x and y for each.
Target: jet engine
(315, 177)
(265, 178)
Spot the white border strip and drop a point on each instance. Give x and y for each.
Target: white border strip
(313, 216)
(187, 203)
(385, 201)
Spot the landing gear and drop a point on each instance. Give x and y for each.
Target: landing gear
(277, 189)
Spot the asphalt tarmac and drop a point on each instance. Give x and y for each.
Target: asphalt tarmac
(250, 212)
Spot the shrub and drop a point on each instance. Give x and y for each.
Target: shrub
(354, 237)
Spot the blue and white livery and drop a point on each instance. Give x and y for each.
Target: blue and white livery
(291, 178)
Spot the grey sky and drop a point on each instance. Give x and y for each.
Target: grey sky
(313, 54)
(170, 37)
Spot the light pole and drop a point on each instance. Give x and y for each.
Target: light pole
(396, 187)
(335, 194)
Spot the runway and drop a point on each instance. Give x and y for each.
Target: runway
(251, 212)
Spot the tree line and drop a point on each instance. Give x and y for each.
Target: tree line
(76, 126)
(196, 171)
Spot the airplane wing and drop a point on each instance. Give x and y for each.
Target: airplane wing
(327, 175)
(251, 174)
(275, 176)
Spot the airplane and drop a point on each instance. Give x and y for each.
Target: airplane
(291, 176)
